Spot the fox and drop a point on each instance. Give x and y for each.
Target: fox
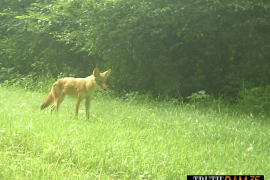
(80, 88)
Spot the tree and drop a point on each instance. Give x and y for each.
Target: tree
(159, 46)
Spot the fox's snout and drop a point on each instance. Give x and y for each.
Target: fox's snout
(102, 84)
(103, 87)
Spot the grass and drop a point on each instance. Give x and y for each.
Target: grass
(126, 140)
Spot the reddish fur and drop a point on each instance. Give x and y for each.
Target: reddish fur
(80, 88)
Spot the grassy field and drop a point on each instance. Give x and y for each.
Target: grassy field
(126, 140)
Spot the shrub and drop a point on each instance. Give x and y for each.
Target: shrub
(254, 100)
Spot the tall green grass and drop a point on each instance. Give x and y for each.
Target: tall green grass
(126, 140)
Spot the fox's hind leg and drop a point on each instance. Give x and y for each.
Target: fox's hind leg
(57, 103)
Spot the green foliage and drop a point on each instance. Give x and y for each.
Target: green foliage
(255, 100)
(199, 96)
(162, 47)
(30, 82)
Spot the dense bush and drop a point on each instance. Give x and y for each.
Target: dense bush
(254, 100)
(163, 47)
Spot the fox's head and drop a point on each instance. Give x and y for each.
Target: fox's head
(101, 78)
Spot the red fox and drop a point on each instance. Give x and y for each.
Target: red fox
(80, 88)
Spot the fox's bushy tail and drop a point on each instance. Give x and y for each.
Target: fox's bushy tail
(49, 99)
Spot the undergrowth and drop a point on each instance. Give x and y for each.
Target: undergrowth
(252, 102)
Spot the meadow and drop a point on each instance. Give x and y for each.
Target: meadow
(127, 139)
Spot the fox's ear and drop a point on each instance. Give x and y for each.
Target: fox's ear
(96, 72)
(107, 73)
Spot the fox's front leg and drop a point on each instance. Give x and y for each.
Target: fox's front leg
(78, 104)
(87, 106)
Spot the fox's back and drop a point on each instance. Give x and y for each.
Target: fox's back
(72, 86)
